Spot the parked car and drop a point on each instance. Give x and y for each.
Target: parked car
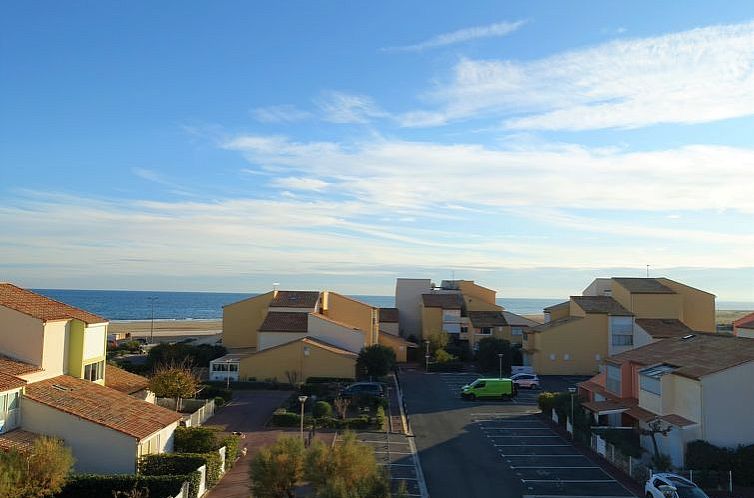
(666, 485)
(363, 389)
(529, 381)
(489, 388)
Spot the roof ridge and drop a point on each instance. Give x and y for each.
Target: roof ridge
(46, 298)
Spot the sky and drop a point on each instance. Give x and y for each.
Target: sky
(227, 146)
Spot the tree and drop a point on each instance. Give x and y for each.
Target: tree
(40, 472)
(438, 341)
(376, 360)
(346, 470)
(276, 469)
(487, 355)
(655, 427)
(341, 406)
(174, 381)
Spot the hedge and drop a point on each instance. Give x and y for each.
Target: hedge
(701, 455)
(195, 440)
(102, 486)
(173, 464)
(320, 380)
(212, 391)
(251, 384)
(322, 409)
(231, 444)
(362, 422)
(380, 418)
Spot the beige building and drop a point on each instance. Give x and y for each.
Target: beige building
(744, 326)
(305, 334)
(697, 385)
(52, 382)
(614, 315)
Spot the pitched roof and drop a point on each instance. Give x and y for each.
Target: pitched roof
(285, 321)
(515, 320)
(481, 319)
(312, 342)
(295, 299)
(559, 305)
(8, 382)
(660, 328)
(101, 405)
(345, 325)
(388, 315)
(693, 357)
(444, 301)
(643, 285)
(124, 381)
(10, 366)
(19, 440)
(745, 322)
(42, 307)
(601, 304)
(556, 323)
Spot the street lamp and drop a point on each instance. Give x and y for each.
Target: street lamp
(152, 299)
(227, 374)
(302, 400)
(500, 361)
(426, 355)
(572, 390)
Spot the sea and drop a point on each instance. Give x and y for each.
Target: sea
(140, 305)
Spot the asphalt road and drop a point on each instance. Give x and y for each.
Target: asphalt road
(494, 448)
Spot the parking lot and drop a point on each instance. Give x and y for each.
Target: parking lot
(396, 453)
(512, 449)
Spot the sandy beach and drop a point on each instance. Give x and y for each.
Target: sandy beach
(168, 328)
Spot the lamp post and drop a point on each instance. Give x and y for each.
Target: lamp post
(227, 374)
(302, 400)
(426, 355)
(500, 362)
(152, 299)
(572, 390)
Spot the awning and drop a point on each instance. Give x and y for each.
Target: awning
(677, 420)
(605, 407)
(640, 414)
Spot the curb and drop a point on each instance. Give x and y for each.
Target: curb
(423, 491)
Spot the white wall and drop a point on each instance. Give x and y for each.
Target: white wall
(600, 287)
(641, 337)
(21, 336)
(270, 339)
(95, 338)
(55, 349)
(166, 438)
(337, 335)
(96, 449)
(727, 406)
(408, 300)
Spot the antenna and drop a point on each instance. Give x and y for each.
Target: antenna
(275, 285)
(647, 271)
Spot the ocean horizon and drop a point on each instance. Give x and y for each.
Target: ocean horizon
(121, 305)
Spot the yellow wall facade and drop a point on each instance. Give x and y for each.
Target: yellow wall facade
(698, 306)
(478, 297)
(431, 321)
(397, 344)
(558, 312)
(657, 306)
(574, 348)
(357, 314)
(275, 362)
(241, 321)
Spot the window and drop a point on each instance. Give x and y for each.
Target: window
(9, 411)
(650, 378)
(613, 380)
(552, 357)
(464, 330)
(622, 330)
(485, 330)
(567, 357)
(94, 371)
(517, 331)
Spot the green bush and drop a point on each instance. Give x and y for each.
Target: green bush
(546, 401)
(320, 380)
(219, 401)
(209, 391)
(380, 418)
(442, 356)
(486, 356)
(174, 464)
(195, 440)
(286, 419)
(97, 485)
(322, 409)
(375, 361)
(701, 455)
(231, 444)
(361, 422)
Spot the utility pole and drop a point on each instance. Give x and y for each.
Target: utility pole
(647, 271)
(152, 299)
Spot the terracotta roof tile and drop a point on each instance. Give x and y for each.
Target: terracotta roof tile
(124, 381)
(101, 405)
(643, 285)
(388, 315)
(481, 319)
(601, 304)
(10, 366)
(677, 420)
(556, 323)
(745, 322)
(8, 382)
(559, 305)
(444, 301)
(694, 357)
(660, 328)
(42, 307)
(295, 299)
(18, 439)
(285, 321)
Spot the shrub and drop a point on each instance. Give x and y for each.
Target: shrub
(219, 401)
(322, 409)
(701, 455)
(546, 401)
(97, 485)
(321, 380)
(40, 471)
(174, 464)
(487, 355)
(380, 418)
(231, 444)
(207, 391)
(442, 356)
(276, 469)
(267, 384)
(375, 361)
(459, 350)
(286, 419)
(195, 440)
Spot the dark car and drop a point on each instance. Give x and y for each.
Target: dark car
(363, 389)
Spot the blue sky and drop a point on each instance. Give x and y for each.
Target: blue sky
(228, 145)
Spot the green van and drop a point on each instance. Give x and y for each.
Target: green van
(489, 388)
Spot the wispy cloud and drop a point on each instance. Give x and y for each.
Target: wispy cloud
(696, 76)
(160, 179)
(460, 36)
(348, 108)
(300, 183)
(280, 114)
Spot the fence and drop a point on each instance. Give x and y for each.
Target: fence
(629, 465)
(195, 411)
(710, 479)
